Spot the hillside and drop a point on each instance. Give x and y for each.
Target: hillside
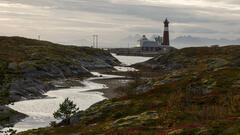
(34, 52)
(33, 64)
(197, 58)
(198, 93)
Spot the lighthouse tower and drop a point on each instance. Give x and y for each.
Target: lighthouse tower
(166, 33)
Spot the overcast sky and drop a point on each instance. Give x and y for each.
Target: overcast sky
(75, 21)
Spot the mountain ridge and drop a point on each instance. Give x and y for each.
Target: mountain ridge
(201, 41)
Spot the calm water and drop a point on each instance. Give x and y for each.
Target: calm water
(40, 111)
(129, 60)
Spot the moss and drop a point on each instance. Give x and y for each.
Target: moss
(187, 131)
(18, 49)
(135, 120)
(5, 117)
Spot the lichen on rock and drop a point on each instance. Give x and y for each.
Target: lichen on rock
(135, 119)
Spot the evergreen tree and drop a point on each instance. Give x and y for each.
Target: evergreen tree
(66, 110)
(4, 84)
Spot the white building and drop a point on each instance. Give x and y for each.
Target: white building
(148, 45)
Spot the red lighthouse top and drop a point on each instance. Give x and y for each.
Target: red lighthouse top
(166, 21)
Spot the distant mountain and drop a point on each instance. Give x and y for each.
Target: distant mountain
(80, 42)
(182, 41)
(131, 38)
(189, 40)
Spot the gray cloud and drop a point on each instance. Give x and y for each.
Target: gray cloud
(114, 20)
(146, 30)
(199, 30)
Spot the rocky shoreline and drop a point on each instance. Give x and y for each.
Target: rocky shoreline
(37, 67)
(113, 84)
(112, 91)
(35, 81)
(9, 117)
(109, 93)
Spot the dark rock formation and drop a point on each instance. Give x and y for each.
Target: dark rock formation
(35, 63)
(8, 117)
(34, 80)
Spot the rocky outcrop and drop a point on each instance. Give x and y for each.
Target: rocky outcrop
(35, 67)
(34, 63)
(33, 80)
(96, 111)
(136, 120)
(100, 62)
(8, 117)
(209, 58)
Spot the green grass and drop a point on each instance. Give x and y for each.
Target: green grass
(18, 49)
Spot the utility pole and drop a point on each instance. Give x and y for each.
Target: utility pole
(128, 49)
(95, 41)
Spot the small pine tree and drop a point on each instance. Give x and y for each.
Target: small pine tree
(4, 84)
(66, 110)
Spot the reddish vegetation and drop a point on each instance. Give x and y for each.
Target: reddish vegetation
(135, 130)
(181, 127)
(190, 126)
(233, 118)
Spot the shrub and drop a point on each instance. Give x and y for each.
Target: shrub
(66, 110)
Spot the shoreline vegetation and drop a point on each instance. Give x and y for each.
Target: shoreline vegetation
(188, 91)
(113, 85)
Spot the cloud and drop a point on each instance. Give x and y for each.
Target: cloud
(74, 20)
(146, 30)
(198, 30)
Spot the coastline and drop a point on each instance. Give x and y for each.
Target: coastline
(112, 84)
(9, 117)
(110, 92)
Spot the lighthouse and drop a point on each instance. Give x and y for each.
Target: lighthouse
(166, 33)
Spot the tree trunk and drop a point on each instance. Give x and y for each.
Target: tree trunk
(68, 121)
